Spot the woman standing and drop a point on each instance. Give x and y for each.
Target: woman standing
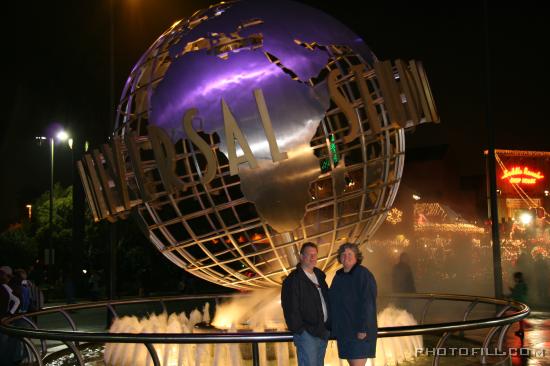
(353, 302)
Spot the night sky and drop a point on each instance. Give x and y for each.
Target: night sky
(59, 73)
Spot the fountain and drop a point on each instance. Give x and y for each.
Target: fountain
(259, 311)
(197, 346)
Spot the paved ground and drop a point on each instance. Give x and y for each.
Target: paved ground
(537, 338)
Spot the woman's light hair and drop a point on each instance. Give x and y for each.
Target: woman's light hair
(354, 248)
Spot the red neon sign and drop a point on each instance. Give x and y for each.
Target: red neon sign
(518, 175)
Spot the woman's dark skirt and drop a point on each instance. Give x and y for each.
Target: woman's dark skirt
(352, 349)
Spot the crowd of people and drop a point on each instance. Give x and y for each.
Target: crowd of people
(17, 295)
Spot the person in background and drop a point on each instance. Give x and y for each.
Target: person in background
(10, 347)
(353, 304)
(93, 285)
(402, 276)
(519, 293)
(5, 293)
(304, 298)
(403, 280)
(542, 273)
(13, 300)
(20, 276)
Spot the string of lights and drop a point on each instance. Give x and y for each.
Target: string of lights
(455, 228)
(430, 209)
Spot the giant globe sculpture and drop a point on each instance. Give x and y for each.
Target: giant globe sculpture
(249, 129)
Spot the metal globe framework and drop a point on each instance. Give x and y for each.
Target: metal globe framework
(215, 230)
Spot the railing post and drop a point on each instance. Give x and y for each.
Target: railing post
(77, 354)
(502, 335)
(255, 354)
(425, 310)
(153, 353)
(30, 347)
(43, 346)
(467, 313)
(440, 344)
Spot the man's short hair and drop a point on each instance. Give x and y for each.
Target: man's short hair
(306, 245)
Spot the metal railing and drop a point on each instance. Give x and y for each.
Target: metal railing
(510, 312)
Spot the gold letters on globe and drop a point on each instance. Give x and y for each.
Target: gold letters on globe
(105, 175)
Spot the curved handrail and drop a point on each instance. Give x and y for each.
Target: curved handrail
(521, 312)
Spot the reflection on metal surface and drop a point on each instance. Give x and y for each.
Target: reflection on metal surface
(222, 44)
(280, 190)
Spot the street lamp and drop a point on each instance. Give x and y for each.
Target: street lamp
(61, 135)
(29, 211)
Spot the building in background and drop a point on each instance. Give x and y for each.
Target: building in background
(523, 186)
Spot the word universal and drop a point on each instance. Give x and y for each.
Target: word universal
(122, 174)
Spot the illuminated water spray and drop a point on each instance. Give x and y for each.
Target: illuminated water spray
(258, 312)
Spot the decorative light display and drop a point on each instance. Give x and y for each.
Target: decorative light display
(521, 175)
(426, 213)
(398, 241)
(540, 251)
(453, 228)
(430, 209)
(511, 249)
(395, 216)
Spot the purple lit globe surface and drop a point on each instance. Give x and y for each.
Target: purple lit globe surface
(243, 230)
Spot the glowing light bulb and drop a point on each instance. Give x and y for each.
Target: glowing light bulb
(62, 135)
(526, 218)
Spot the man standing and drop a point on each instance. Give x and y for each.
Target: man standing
(304, 298)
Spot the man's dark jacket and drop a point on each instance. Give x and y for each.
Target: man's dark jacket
(302, 303)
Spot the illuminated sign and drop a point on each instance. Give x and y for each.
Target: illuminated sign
(518, 175)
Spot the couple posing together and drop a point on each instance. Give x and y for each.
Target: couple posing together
(347, 310)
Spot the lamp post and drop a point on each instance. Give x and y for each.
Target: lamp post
(61, 136)
(49, 251)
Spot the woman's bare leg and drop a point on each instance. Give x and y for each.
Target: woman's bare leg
(357, 362)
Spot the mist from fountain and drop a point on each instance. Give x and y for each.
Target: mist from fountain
(259, 311)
